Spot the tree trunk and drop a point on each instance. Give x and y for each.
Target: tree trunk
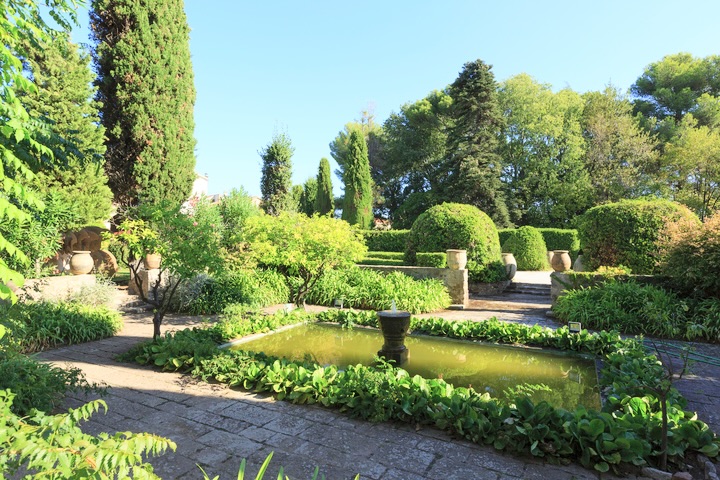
(157, 321)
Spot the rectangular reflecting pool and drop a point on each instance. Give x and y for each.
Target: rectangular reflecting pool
(570, 380)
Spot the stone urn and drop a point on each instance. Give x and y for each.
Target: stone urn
(510, 265)
(561, 260)
(579, 265)
(394, 326)
(152, 261)
(456, 259)
(81, 262)
(550, 255)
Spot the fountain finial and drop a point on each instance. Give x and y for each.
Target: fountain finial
(393, 307)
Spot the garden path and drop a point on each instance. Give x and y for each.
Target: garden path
(216, 427)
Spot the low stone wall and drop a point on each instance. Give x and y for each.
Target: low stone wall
(456, 281)
(53, 288)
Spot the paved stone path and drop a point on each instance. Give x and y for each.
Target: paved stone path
(216, 427)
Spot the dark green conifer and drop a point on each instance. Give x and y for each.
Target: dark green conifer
(324, 198)
(145, 83)
(357, 208)
(275, 185)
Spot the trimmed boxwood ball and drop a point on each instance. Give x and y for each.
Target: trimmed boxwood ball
(454, 226)
(632, 232)
(528, 247)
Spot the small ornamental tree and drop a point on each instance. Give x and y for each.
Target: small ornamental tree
(275, 185)
(324, 198)
(303, 247)
(189, 244)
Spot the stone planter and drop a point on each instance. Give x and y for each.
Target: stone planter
(456, 259)
(550, 255)
(579, 265)
(394, 326)
(561, 260)
(81, 262)
(510, 265)
(152, 261)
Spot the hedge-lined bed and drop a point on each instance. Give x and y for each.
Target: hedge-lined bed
(626, 432)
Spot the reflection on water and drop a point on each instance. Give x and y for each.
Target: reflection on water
(571, 379)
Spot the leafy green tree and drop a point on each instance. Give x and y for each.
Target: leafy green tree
(672, 86)
(61, 72)
(693, 163)
(415, 145)
(620, 157)
(471, 171)
(275, 185)
(24, 141)
(145, 84)
(542, 153)
(357, 207)
(307, 199)
(235, 209)
(373, 135)
(324, 199)
(303, 247)
(297, 201)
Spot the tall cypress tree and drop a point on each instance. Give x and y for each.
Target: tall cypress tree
(472, 168)
(357, 209)
(275, 185)
(61, 72)
(324, 198)
(307, 201)
(145, 80)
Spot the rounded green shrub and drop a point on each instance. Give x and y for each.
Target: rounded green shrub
(528, 247)
(632, 232)
(693, 260)
(454, 226)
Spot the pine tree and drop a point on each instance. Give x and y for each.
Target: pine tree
(324, 198)
(275, 185)
(61, 72)
(145, 80)
(357, 208)
(472, 168)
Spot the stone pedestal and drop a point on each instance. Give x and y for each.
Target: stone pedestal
(148, 279)
(394, 326)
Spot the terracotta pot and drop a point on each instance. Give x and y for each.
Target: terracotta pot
(152, 261)
(550, 255)
(81, 262)
(510, 265)
(561, 260)
(456, 259)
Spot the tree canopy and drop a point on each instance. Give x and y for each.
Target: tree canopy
(276, 186)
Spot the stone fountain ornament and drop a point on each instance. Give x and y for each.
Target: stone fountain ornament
(394, 326)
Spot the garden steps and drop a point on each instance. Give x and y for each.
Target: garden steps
(129, 304)
(529, 288)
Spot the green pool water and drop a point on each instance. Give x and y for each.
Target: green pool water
(572, 379)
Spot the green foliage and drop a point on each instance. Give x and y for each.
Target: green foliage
(357, 207)
(365, 288)
(146, 88)
(324, 199)
(305, 247)
(528, 247)
(561, 239)
(307, 199)
(492, 272)
(543, 169)
(383, 258)
(693, 260)
(627, 307)
(704, 320)
(252, 288)
(235, 208)
(454, 226)
(54, 446)
(631, 232)
(436, 260)
(386, 240)
(275, 184)
(628, 424)
(38, 326)
(99, 294)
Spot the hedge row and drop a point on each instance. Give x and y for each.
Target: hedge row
(555, 239)
(386, 240)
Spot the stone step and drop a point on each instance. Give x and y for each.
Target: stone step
(529, 288)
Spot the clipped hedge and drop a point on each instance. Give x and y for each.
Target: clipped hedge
(436, 260)
(632, 233)
(624, 432)
(454, 226)
(385, 240)
(383, 258)
(528, 247)
(555, 239)
(254, 288)
(364, 288)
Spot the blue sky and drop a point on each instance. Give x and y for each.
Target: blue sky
(307, 68)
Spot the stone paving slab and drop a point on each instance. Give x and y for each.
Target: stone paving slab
(216, 426)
